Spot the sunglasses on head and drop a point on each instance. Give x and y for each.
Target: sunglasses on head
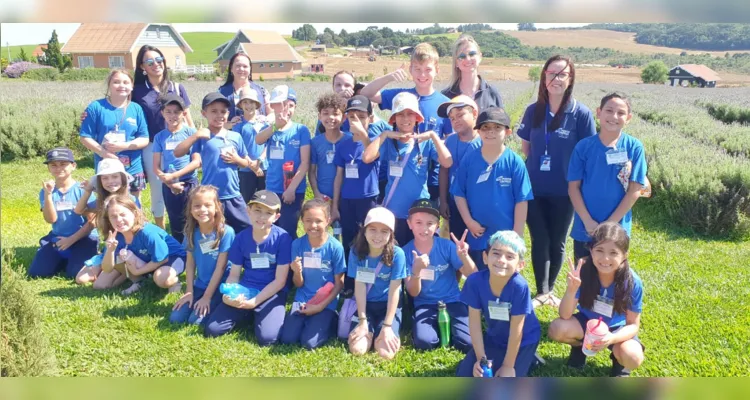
(151, 61)
(471, 54)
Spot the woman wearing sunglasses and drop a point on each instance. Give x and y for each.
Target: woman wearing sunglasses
(151, 84)
(465, 77)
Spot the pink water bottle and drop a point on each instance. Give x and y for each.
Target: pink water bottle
(596, 330)
(288, 169)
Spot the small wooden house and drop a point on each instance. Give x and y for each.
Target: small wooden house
(698, 74)
(319, 48)
(318, 65)
(116, 45)
(270, 53)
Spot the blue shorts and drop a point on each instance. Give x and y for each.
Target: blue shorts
(582, 320)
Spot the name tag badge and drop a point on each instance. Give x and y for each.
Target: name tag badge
(125, 160)
(207, 245)
(171, 145)
(259, 261)
(226, 149)
(329, 157)
(277, 153)
(296, 306)
(427, 274)
(499, 311)
(546, 163)
(63, 206)
(311, 260)
(115, 137)
(395, 170)
(485, 175)
(617, 157)
(351, 171)
(366, 275)
(604, 306)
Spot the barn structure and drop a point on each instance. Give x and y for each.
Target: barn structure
(697, 74)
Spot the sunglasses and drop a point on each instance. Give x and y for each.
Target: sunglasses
(471, 54)
(151, 61)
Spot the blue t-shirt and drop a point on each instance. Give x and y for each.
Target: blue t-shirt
(331, 264)
(445, 262)
(228, 91)
(276, 249)
(215, 171)
(151, 243)
(459, 150)
(248, 131)
(428, 106)
(68, 222)
(477, 294)
(290, 141)
(349, 152)
(577, 125)
(616, 320)
(413, 183)
(102, 118)
(379, 290)
(205, 263)
(91, 205)
(149, 100)
(165, 142)
(601, 190)
(322, 153)
(374, 130)
(492, 197)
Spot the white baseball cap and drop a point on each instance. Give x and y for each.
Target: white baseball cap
(382, 215)
(282, 93)
(111, 166)
(405, 101)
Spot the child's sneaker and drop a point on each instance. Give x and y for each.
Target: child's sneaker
(136, 286)
(618, 371)
(576, 359)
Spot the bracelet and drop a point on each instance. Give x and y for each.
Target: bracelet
(388, 325)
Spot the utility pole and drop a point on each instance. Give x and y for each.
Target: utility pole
(7, 44)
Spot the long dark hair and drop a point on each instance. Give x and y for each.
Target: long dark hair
(542, 98)
(230, 75)
(191, 223)
(590, 285)
(362, 249)
(140, 78)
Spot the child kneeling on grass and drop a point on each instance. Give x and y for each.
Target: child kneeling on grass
(603, 286)
(502, 296)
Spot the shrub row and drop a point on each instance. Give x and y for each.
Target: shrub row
(23, 136)
(52, 74)
(726, 113)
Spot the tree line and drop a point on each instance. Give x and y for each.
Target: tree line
(710, 37)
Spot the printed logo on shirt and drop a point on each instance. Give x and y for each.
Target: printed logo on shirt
(441, 268)
(521, 126)
(143, 251)
(325, 266)
(562, 133)
(503, 181)
(385, 276)
(131, 121)
(294, 142)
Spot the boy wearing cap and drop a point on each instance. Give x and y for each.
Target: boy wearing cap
(248, 125)
(491, 187)
(220, 152)
(177, 174)
(73, 239)
(260, 259)
(462, 112)
(432, 264)
(323, 146)
(287, 143)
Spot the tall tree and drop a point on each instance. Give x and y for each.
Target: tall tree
(53, 57)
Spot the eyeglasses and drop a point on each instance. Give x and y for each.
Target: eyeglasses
(471, 54)
(151, 61)
(559, 75)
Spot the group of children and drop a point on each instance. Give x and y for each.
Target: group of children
(239, 224)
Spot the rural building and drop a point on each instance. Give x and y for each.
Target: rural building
(114, 45)
(698, 74)
(318, 65)
(271, 55)
(39, 50)
(405, 50)
(320, 48)
(364, 52)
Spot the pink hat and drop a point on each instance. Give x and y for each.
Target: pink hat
(382, 215)
(405, 101)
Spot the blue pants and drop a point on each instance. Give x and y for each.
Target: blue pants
(353, 213)
(176, 205)
(48, 260)
(425, 333)
(290, 214)
(549, 220)
(250, 183)
(476, 255)
(268, 319)
(403, 234)
(312, 332)
(524, 360)
(375, 312)
(185, 313)
(456, 222)
(235, 213)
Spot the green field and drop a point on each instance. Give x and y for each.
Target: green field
(14, 50)
(203, 44)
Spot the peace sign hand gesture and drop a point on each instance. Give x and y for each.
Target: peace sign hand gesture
(574, 275)
(462, 248)
(111, 241)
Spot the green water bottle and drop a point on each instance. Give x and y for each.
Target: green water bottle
(444, 323)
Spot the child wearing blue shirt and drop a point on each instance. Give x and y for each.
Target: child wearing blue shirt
(207, 241)
(259, 259)
(248, 125)
(323, 146)
(318, 263)
(406, 154)
(220, 153)
(606, 174)
(433, 264)
(501, 295)
(73, 239)
(604, 287)
(177, 174)
(288, 155)
(492, 185)
(378, 266)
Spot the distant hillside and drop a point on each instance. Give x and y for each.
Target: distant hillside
(711, 37)
(14, 50)
(203, 45)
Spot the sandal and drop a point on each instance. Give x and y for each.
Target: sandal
(540, 300)
(553, 301)
(136, 286)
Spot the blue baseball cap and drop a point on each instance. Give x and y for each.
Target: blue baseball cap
(60, 154)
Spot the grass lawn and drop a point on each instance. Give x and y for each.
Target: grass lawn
(694, 322)
(203, 45)
(14, 50)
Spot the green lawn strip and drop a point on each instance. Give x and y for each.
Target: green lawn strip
(203, 45)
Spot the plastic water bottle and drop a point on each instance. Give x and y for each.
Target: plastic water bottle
(234, 290)
(444, 323)
(337, 230)
(486, 367)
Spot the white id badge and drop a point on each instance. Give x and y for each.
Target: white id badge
(603, 306)
(171, 145)
(427, 274)
(296, 306)
(277, 153)
(395, 170)
(226, 149)
(115, 137)
(617, 157)
(351, 171)
(329, 157)
(483, 177)
(311, 260)
(545, 164)
(259, 261)
(499, 311)
(207, 246)
(366, 275)
(63, 206)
